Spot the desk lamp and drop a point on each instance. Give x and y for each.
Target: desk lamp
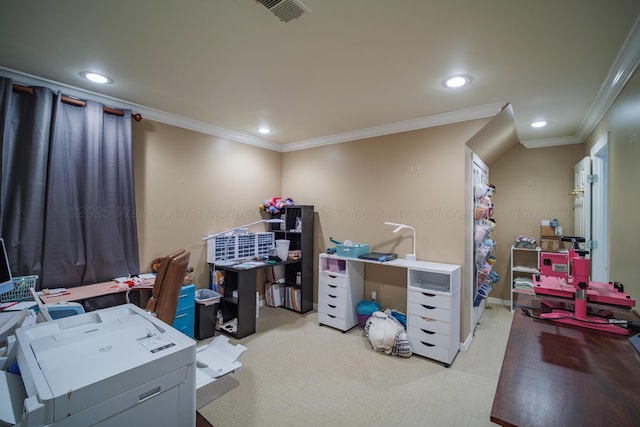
(412, 256)
(243, 228)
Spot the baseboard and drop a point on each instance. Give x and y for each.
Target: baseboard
(499, 301)
(464, 346)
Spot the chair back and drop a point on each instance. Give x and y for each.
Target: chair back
(160, 279)
(167, 301)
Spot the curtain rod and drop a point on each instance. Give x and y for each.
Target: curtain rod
(78, 102)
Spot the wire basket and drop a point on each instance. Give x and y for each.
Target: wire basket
(20, 290)
(238, 247)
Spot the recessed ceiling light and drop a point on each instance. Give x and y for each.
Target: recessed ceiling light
(457, 81)
(539, 124)
(96, 77)
(264, 131)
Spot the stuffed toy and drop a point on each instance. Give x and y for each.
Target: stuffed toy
(274, 204)
(155, 265)
(188, 278)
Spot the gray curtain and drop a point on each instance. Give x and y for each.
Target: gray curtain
(82, 168)
(25, 124)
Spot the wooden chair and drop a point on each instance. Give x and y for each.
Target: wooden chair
(166, 289)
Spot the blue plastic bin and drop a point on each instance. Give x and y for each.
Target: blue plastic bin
(353, 251)
(365, 309)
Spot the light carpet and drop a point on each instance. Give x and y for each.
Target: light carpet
(297, 373)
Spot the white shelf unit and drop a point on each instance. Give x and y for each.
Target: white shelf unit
(433, 312)
(525, 262)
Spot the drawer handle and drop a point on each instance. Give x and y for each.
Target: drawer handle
(180, 315)
(333, 317)
(333, 296)
(149, 394)
(427, 332)
(333, 286)
(427, 294)
(332, 276)
(427, 344)
(428, 307)
(427, 319)
(332, 306)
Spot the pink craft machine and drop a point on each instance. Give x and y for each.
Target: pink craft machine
(576, 284)
(554, 264)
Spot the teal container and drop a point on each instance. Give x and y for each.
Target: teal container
(365, 309)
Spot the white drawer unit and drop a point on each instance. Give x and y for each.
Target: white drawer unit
(427, 311)
(433, 312)
(340, 289)
(433, 301)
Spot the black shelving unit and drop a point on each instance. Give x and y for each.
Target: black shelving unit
(243, 306)
(243, 282)
(298, 217)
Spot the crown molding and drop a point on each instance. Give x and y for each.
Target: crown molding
(207, 129)
(619, 74)
(472, 113)
(146, 112)
(551, 142)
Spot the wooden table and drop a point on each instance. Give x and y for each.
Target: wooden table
(559, 375)
(90, 295)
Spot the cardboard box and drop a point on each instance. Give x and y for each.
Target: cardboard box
(547, 231)
(552, 244)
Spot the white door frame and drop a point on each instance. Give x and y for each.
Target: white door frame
(599, 210)
(582, 198)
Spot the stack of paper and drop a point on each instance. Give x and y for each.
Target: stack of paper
(216, 359)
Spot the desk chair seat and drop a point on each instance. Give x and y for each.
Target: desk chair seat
(166, 289)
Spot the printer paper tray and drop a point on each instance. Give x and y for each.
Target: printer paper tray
(155, 399)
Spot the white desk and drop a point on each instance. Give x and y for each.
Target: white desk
(436, 267)
(433, 301)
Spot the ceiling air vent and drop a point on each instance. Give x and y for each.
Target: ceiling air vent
(285, 10)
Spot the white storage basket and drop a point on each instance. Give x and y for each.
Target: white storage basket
(238, 247)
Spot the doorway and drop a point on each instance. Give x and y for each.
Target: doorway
(599, 211)
(591, 215)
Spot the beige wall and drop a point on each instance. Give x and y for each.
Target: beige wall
(531, 185)
(416, 178)
(190, 185)
(623, 122)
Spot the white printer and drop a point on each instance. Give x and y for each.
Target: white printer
(118, 366)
